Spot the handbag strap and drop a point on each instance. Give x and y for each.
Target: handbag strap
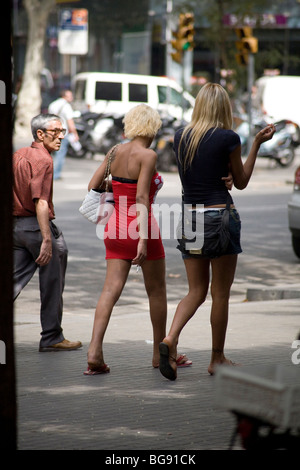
(107, 169)
(227, 212)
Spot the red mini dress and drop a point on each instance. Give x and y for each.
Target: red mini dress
(121, 235)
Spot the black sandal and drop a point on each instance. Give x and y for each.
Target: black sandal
(164, 362)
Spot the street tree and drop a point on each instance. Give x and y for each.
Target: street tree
(29, 97)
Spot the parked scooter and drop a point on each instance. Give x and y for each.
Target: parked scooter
(97, 134)
(163, 143)
(107, 132)
(281, 148)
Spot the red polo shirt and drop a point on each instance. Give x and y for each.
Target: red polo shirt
(33, 179)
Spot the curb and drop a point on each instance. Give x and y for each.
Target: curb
(270, 293)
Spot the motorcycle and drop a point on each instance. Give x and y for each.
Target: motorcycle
(281, 148)
(163, 143)
(97, 134)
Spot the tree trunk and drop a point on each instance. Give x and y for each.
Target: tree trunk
(29, 97)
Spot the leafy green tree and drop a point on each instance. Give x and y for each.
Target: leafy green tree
(221, 38)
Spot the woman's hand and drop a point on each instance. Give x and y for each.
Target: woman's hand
(141, 252)
(228, 180)
(265, 134)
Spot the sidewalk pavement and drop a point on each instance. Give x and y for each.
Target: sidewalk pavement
(134, 408)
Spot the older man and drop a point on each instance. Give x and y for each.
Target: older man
(38, 243)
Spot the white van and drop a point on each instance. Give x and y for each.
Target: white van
(279, 97)
(116, 93)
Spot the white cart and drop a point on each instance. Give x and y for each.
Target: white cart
(266, 403)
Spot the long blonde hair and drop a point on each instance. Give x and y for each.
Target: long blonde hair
(212, 110)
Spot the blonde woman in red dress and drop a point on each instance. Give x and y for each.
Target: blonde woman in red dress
(132, 236)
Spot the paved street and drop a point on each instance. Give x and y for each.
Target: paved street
(134, 408)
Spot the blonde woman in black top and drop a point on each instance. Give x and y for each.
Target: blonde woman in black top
(205, 150)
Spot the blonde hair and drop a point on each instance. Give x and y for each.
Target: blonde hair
(212, 110)
(141, 121)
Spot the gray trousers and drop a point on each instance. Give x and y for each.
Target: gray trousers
(27, 241)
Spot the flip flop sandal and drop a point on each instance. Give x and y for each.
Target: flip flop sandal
(164, 364)
(183, 361)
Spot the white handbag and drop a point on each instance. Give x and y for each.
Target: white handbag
(98, 204)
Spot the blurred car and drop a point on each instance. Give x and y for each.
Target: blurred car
(294, 214)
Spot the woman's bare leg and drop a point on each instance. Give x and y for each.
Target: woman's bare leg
(223, 271)
(198, 281)
(155, 284)
(116, 276)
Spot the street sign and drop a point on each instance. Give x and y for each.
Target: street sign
(73, 31)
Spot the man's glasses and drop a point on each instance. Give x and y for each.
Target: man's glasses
(56, 132)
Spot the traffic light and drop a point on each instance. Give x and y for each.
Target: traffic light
(246, 44)
(186, 31)
(184, 36)
(176, 44)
